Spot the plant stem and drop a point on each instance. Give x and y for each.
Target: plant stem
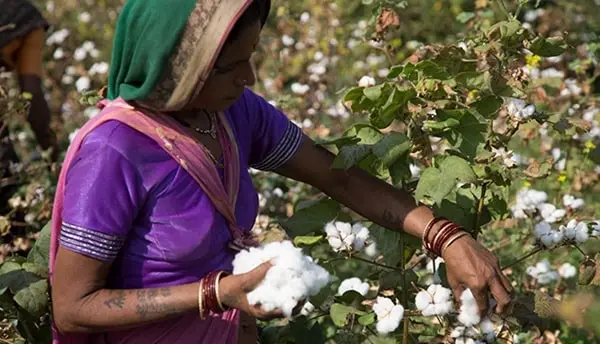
(404, 291)
(580, 250)
(522, 258)
(504, 10)
(479, 210)
(376, 264)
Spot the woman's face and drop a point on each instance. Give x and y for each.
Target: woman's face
(231, 73)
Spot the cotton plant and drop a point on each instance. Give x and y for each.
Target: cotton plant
(388, 314)
(343, 236)
(292, 278)
(548, 236)
(436, 300)
(354, 284)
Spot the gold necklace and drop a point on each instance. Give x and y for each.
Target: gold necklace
(212, 130)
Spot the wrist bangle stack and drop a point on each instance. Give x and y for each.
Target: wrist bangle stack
(208, 294)
(448, 233)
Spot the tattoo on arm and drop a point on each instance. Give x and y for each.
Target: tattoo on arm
(152, 301)
(391, 218)
(116, 299)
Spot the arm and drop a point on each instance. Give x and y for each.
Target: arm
(29, 68)
(469, 264)
(84, 305)
(357, 189)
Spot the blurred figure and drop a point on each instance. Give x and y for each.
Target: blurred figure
(22, 36)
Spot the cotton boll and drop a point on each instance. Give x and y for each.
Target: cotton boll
(388, 314)
(371, 250)
(292, 278)
(435, 301)
(469, 312)
(355, 284)
(567, 271)
(366, 81)
(572, 202)
(576, 231)
(550, 213)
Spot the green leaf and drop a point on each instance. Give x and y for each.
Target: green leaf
(471, 80)
(374, 92)
(391, 148)
(350, 297)
(16, 280)
(366, 133)
(34, 298)
(339, 314)
(488, 106)
(469, 135)
(40, 271)
(548, 47)
(457, 168)
(465, 17)
(431, 70)
(307, 240)
(395, 71)
(438, 126)
(311, 217)
(350, 156)
(434, 184)
(388, 244)
(354, 94)
(393, 279)
(367, 319)
(7, 267)
(40, 251)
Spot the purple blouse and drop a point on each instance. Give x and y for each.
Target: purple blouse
(128, 202)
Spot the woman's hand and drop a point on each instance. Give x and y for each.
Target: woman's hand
(233, 291)
(470, 265)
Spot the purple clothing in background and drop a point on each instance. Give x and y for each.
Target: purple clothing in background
(127, 201)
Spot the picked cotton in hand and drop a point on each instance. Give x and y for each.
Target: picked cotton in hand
(292, 278)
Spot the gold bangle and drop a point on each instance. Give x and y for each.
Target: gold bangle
(201, 299)
(453, 239)
(217, 282)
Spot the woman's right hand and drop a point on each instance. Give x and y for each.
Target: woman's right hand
(233, 290)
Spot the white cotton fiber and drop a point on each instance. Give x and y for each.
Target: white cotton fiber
(293, 277)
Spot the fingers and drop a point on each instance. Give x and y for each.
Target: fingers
(481, 297)
(457, 288)
(505, 281)
(261, 314)
(254, 277)
(500, 294)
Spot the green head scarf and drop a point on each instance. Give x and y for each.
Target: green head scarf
(164, 50)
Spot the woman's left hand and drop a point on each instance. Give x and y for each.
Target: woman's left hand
(470, 265)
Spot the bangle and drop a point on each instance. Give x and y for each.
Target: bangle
(453, 239)
(436, 238)
(450, 231)
(217, 283)
(428, 228)
(201, 298)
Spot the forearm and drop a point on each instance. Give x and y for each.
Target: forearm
(107, 310)
(378, 201)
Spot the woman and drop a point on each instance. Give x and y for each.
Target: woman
(22, 32)
(154, 195)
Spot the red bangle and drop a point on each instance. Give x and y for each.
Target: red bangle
(438, 234)
(444, 238)
(428, 229)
